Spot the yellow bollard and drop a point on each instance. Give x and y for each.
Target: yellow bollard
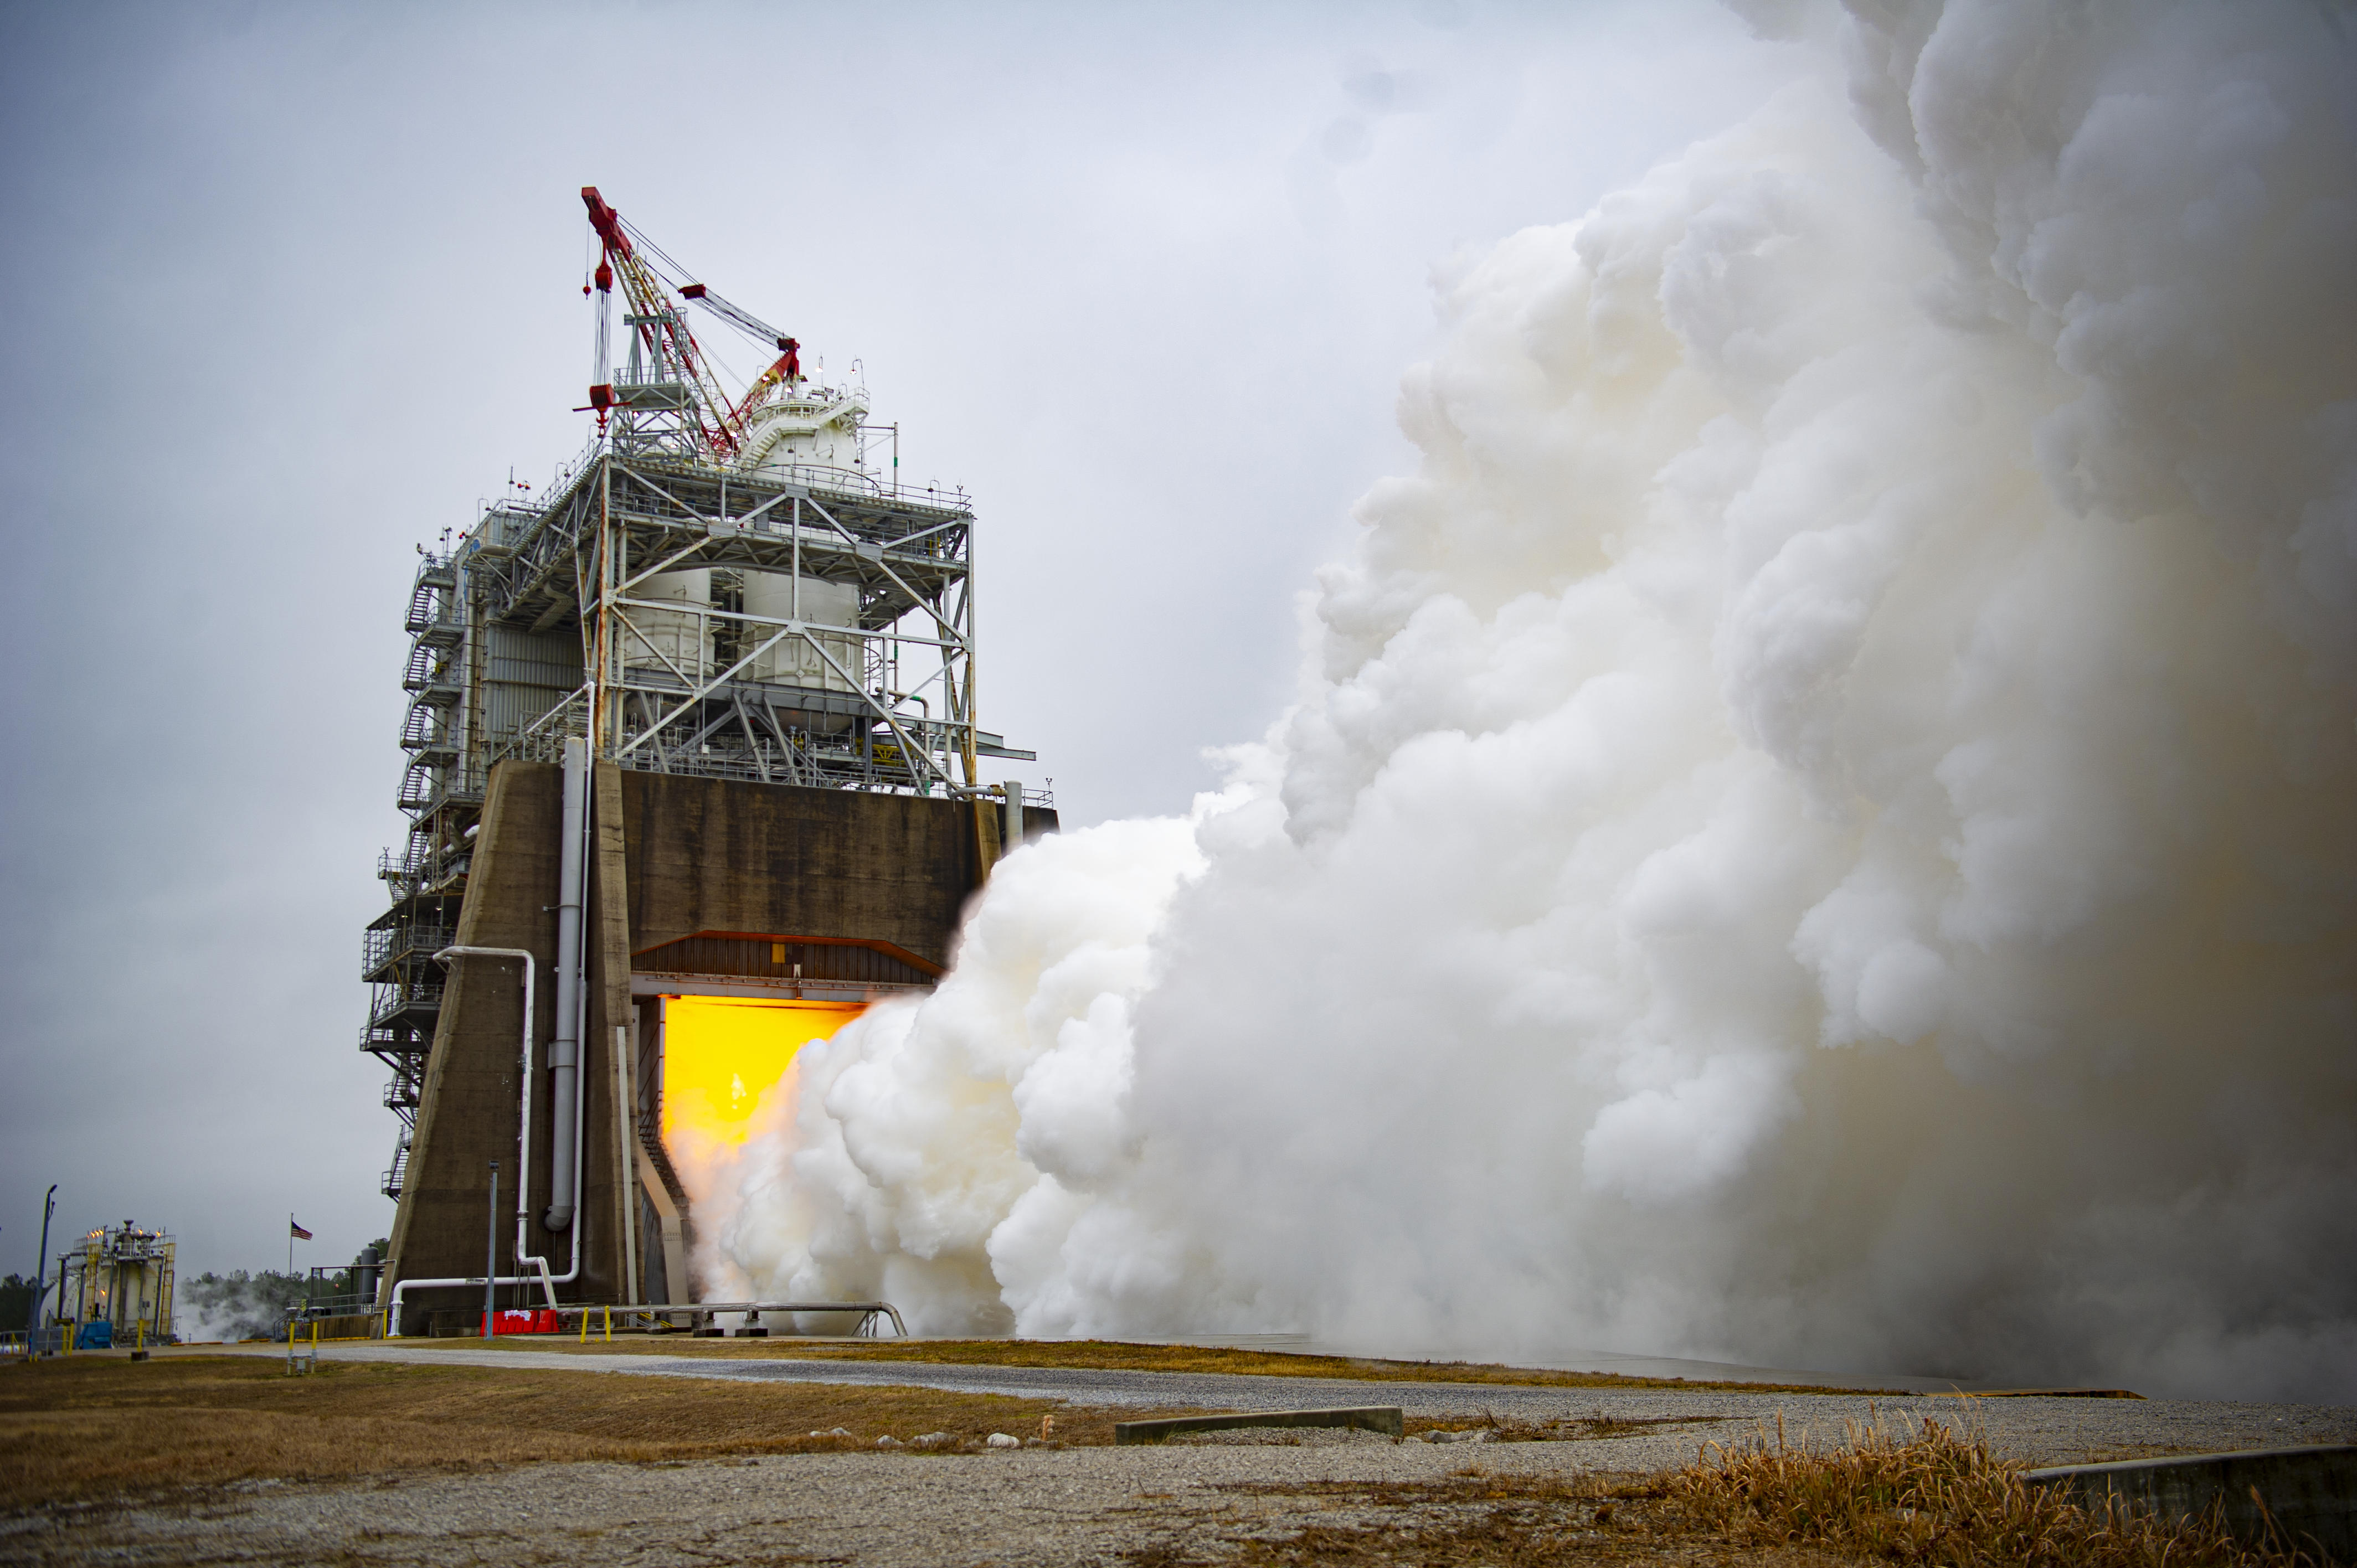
(609, 1326)
(585, 1326)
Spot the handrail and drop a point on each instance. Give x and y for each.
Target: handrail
(867, 1308)
(616, 1312)
(707, 1309)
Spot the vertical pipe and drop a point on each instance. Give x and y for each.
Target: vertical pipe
(565, 1050)
(624, 1182)
(581, 1079)
(492, 1258)
(1010, 836)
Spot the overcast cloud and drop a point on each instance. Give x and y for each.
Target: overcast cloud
(293, 287)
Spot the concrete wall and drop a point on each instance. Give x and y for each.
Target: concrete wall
(714, 855)
(2287, 1497)
(466, 1113)
(670, 856)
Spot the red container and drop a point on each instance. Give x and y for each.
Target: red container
(540, 1320)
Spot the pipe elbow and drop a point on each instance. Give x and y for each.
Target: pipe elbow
(558, 1217)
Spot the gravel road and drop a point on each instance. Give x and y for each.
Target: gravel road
(1079, 1506)
(2040, 1430)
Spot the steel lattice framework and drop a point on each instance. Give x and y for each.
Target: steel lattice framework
(901, 720)
(518, 639)
(565, 617)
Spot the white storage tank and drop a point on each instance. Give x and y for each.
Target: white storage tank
(667, 640)
(793, 660)
(808, 430)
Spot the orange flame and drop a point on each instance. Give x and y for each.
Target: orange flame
(723, 1054)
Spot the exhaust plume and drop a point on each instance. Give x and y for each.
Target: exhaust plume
(1816, 828)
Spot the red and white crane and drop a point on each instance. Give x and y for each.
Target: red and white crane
(658, 316)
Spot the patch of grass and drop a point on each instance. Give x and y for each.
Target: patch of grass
(1117, 1356)
(93, 1428)
(1480, 1519)
(1937, 1497)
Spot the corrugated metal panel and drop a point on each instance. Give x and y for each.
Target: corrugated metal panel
(525, 675)
(519, 658)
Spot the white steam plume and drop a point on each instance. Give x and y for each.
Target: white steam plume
(1819, 828)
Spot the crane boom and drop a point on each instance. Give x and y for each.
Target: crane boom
(735, 316)
(788, 367)
(662, 328)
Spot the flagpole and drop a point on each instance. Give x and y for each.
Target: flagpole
(290, 1241)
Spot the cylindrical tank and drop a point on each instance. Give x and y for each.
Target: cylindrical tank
(806, 433)
(793, 660)
(664, 641)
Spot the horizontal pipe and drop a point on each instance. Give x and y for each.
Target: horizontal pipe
(673, 1308)
(868, 1307)
(392, 1330)
(667, 1309)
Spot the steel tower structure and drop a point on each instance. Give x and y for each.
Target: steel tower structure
(734, 589)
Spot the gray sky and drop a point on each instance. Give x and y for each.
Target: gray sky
(297, 285)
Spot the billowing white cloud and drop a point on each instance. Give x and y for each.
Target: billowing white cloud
(1817, 825)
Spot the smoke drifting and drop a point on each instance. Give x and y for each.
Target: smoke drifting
(1817, 828)
(236, 1306)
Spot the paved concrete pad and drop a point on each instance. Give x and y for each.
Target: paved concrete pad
(2036, 1430)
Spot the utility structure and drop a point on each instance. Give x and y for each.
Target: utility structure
(698, 721)
(121, 1276)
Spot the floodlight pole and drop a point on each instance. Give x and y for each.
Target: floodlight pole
(40, 1274)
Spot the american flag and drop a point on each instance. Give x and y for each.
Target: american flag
(297, 1231)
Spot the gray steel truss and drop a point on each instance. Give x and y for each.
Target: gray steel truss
(518, 639)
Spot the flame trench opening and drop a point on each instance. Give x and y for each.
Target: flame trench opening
(722, 1054)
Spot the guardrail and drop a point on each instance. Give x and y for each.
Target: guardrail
(330, 1320)
(869, 1311)
(581, 1319)
(379, 944)
(58, 1340)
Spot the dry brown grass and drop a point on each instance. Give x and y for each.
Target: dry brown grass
(93, 1428)
(1106, 1355)
(1480, 1519)
(1936, 1497)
